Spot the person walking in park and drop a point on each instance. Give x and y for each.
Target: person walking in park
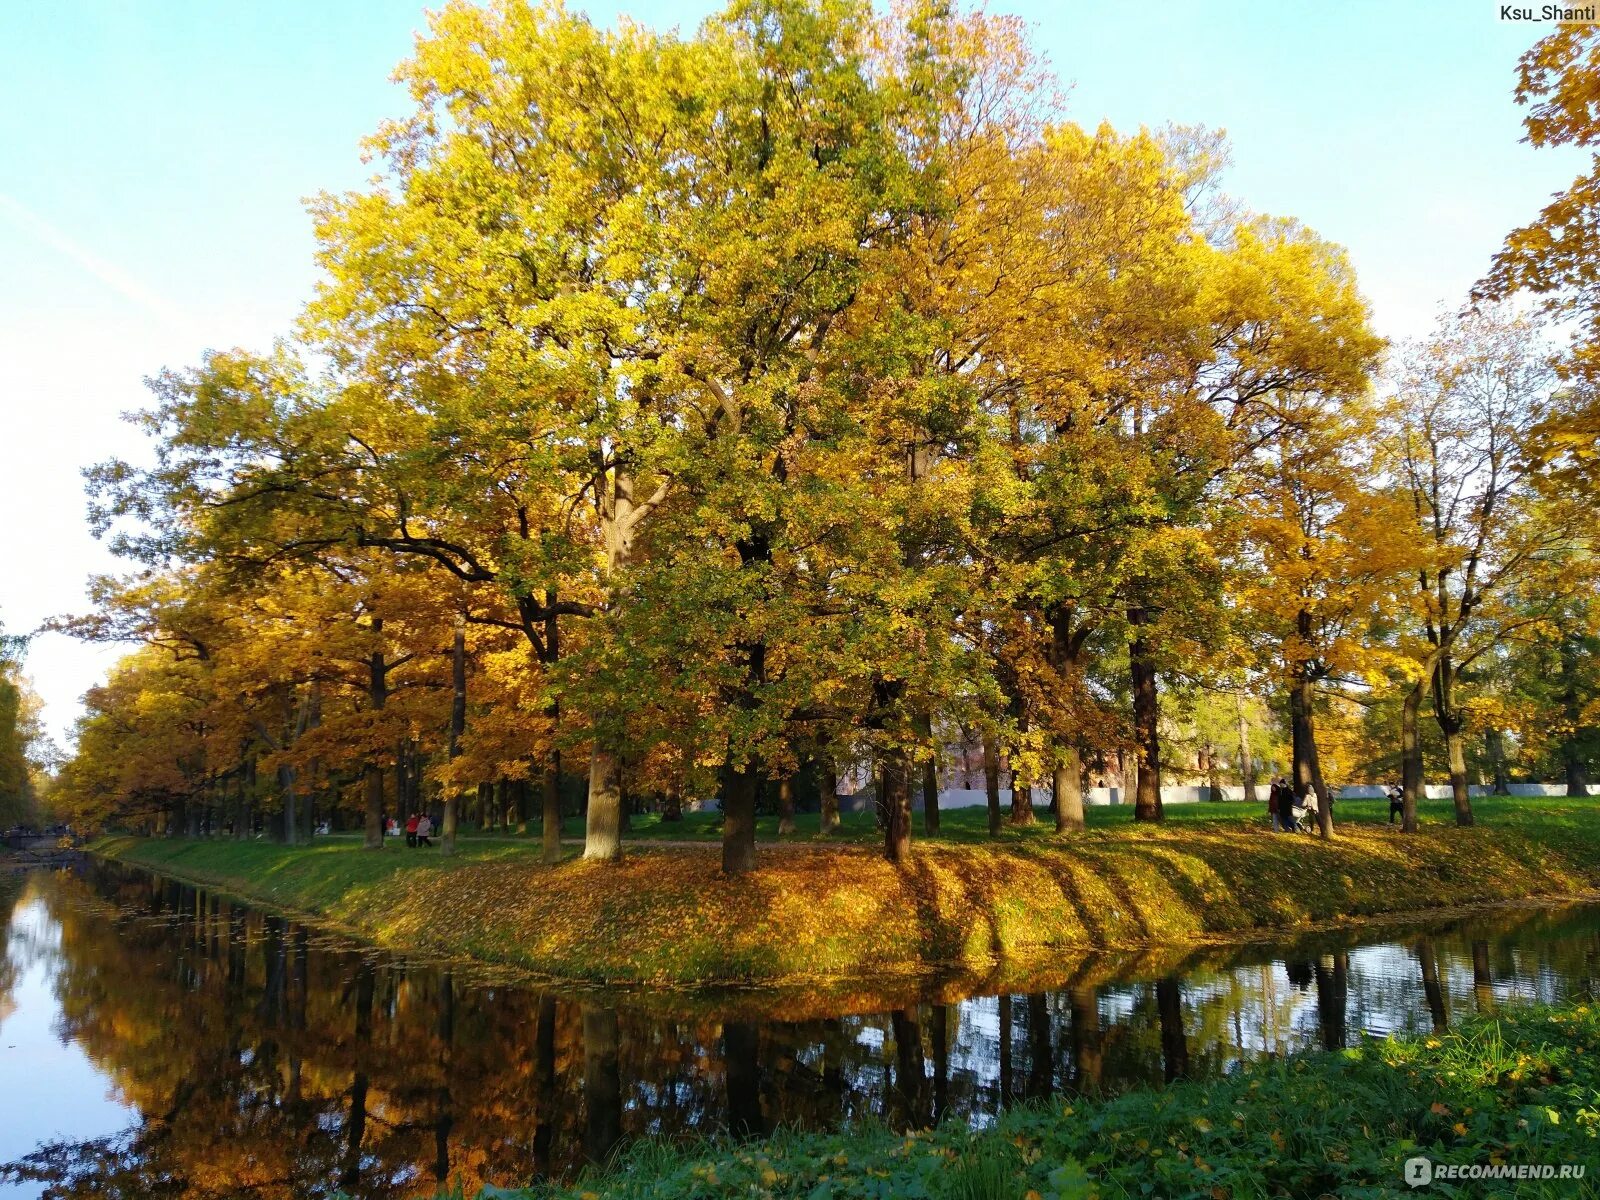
(1272, 807)
(1286, 805)
(1311, 807)
(1397, 806)
(411, 830)
(424, 830)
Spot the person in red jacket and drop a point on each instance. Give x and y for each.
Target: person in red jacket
(411, 830)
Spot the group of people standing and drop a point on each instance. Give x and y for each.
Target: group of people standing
(419, 829)
(1282, 801)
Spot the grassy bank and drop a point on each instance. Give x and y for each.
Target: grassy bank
(1519, 1090)
(968, 824)
(665, 915)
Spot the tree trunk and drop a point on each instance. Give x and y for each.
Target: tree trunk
(602, 1081)
(1494, 743)
(550, 798)
(1572, 757)
(401, 791)
(1456, 750)
(603, 830)
(1174, 1041)
(544, 1056)
(1247, 767)
(447, 825)
(1083, 1008)
(991, 781)
(1003, 1004)
(1021, 801)
(356, 1124)
(911, 1070)
(1068, 786)
(246, 826)
(1576, 769)
(743, 781)
(1451, 723)
(313, 720)
(444, 1121)
(897, 807)
(1066, 646)
(738, 821)
(620, 514)
(1410, 757)
(288, 777)
(1146, 720)
(1208, 764)
(1432, 990)
(1307, 763)
(1333, 985)
(1482, 976)
(930, 777)
(372, 778)
(458, 726)
(377, 697)
(1041, 1049)
(741, 1052)
(785, 805)
(830, 796)
(289, 825)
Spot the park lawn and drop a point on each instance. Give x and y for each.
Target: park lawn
(971, 824)
(1521, 1088)
(818, 910)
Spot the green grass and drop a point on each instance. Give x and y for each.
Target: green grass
(827, 918)
(970, 825)
(310, 878)
(1522, 1088)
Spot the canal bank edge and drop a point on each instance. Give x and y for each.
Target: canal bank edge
(839, 913)
(1501, 1098)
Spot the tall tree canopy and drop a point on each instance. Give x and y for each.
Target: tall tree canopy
(710, 415)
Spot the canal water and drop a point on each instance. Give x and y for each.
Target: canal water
(159, 1040)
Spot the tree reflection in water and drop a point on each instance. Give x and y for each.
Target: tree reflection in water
(741, 1050)
(1432, 989)
(265, 1058)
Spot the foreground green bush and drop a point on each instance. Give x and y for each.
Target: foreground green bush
(1522, 1088)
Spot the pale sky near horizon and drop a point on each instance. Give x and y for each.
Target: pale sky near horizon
(154, 155)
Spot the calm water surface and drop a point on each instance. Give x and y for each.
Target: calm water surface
(157, 1040)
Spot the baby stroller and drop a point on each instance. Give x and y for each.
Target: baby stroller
(1304, 809)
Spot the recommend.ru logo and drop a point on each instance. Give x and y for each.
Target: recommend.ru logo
(1420, 1171)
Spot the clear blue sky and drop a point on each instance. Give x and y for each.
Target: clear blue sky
(154, 154)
